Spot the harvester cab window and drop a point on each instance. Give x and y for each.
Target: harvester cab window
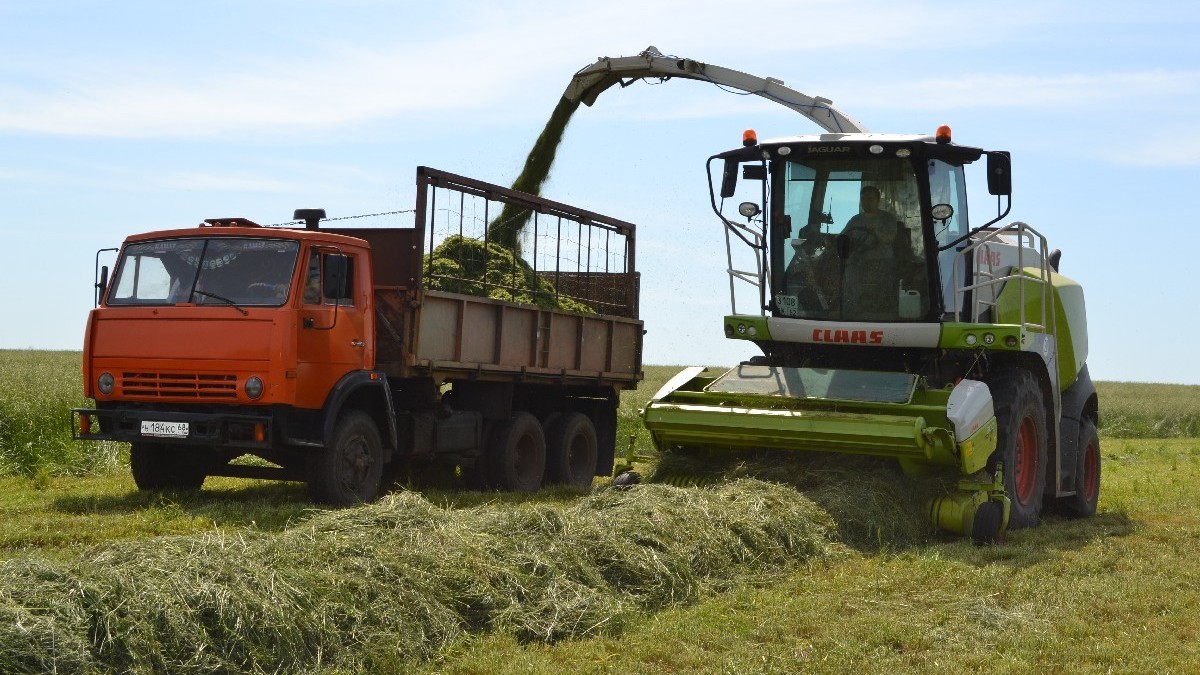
(947, 186)
(857, 252)
(329, 278)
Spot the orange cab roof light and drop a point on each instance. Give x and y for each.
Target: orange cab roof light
(749, 138)
(943, 134)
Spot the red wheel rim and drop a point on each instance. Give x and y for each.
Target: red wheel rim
(1026, 469)
(1091, 472)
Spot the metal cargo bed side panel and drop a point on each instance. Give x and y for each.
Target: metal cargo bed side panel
(492, 339)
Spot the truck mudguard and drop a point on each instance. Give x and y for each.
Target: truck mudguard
(369, 391)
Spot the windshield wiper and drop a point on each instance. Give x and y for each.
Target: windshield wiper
(222, 298)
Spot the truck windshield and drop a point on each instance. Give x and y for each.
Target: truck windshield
(850, 247)
(205, 271)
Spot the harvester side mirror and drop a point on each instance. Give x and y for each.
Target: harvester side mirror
(729, 178)
(999, 173)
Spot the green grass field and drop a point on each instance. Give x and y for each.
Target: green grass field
(824, 567)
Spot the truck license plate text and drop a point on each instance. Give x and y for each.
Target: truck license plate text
(165, 429)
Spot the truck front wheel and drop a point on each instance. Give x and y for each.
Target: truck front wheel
(156, 466)
(516, 454)
(1022, 443)
(571, 450)
(350, 470)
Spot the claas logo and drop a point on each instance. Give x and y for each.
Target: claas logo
(861, 337)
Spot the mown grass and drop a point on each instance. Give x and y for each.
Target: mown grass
(773, 565)
(1115, 593)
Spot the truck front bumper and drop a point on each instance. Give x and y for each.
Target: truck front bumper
(213, 429)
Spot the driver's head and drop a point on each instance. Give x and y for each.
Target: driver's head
(868, 198)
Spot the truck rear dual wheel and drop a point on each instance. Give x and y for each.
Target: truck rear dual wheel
(350, 470)
(516, 454)
(156, 466)
(571, 450)
(1022, 443)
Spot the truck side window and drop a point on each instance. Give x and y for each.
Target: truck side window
(329, 277)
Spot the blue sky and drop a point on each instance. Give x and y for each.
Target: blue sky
(121, 117)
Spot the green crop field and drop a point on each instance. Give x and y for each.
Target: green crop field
(760, 564)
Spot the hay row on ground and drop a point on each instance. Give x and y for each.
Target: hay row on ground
(376, 587)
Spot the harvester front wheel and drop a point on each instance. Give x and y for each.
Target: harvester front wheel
(350, 470)
(1022, 443)
(159, 467)
(571, 451)
(1087, 474)
(516, 454)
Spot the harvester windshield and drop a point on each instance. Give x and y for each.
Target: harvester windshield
(850, 247)
(205, 271)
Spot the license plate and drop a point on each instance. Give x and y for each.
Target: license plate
(165, 429)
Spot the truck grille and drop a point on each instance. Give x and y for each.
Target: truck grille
(180, 385)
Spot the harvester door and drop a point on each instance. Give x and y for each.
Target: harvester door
(332, 338)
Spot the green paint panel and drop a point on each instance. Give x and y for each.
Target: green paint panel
(854, 412)
(747, 327)
(1004, 337)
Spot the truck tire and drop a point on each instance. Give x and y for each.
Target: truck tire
(571, 451)
(350, 470)
(156, 466)
(1087, 474)
(1022, 443)
(516, 454)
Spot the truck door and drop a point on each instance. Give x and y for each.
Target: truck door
(332, 339)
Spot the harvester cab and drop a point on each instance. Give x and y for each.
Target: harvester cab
(888, 325)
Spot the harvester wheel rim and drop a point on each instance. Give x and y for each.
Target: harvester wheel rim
(1025, 471)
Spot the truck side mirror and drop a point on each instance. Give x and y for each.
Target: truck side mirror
(999, 173)
(336, 280)
(729, 178)
(101, 284)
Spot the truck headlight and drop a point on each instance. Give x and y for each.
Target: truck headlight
(254, 387)
(105, 383)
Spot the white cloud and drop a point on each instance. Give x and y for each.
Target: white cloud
(492, 55)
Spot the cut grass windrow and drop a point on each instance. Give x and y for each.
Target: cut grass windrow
(385, 584)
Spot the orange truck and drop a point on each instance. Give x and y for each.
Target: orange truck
(336, 354)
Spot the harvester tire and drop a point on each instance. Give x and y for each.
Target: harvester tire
(350, 470)
(1087, 474)
(571, 451)
(1022, 443)
(516, 454)
(156, 466)
(985, 527)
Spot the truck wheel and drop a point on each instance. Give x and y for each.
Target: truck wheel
(1021, 417)
(350, 470)
(1087, 474)
(156, 466)
(517, 454)
(571, 451)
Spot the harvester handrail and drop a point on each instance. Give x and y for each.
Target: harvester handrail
(1027, 239)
